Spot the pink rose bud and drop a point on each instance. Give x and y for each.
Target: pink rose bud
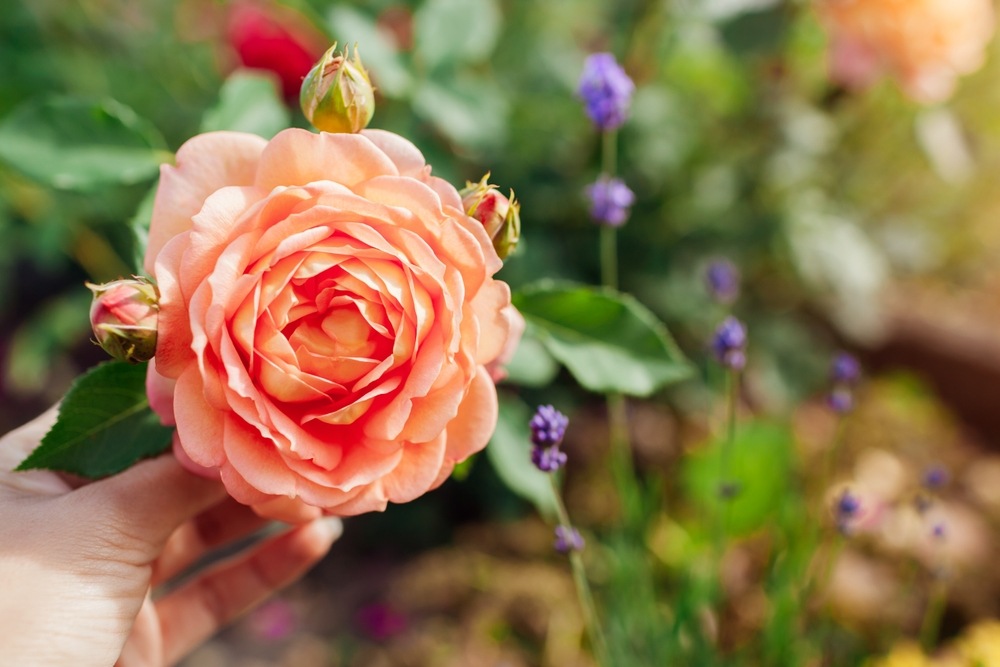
(500, 215)
(123, 317)
(337, 95)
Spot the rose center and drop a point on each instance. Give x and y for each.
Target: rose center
(340, 344)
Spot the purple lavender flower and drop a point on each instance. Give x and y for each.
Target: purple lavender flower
(939, 531)
(847, 506)
(610, 201)
(935, 477)
(845, 369)
(841, 400)
(845, 510)
(548, 459)
(729, 344)
(606, 91)
(568, 539)
(845, 372)
(548, 426)
(723, 280)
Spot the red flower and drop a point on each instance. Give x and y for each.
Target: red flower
(277, 39)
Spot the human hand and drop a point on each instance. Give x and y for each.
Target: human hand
(77, 565)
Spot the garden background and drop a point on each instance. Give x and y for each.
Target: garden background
(859, 219)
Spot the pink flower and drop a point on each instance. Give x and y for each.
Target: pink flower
(500, 215)
(925, 44)
(327, 310)
(123, 316)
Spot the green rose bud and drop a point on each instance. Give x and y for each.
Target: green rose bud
(123, 316)
(337, 95)
(499, 215)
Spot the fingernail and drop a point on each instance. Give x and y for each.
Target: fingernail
(331, 525)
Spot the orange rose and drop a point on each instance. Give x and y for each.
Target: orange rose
(327, 310)
(925, 44)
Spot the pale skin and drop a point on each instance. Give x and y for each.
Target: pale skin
(77, 565)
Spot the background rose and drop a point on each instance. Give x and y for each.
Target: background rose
(327, 309)
(925, 44)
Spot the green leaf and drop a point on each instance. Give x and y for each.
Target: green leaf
(758, 463)
(510, 454)
(756, 32)
(105, 425)
(248, 102)
(609, 341)
(81, 145)
(378, 52)
(454, 31)
(532, 365)
(469, 111)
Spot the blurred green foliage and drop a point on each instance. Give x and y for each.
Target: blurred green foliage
(737, 146)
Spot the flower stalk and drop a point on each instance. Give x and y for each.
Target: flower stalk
(594, 630)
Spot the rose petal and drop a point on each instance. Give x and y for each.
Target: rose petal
(160, 391)
(199, 427)
(491, 310)
(214, 229)
(287, 510)
(205, 164)
(407, 157)
(418, 468)
(431, 413)
(476, 420)
(257, 460)
(173, 327)
(188, 464)
(299, 157)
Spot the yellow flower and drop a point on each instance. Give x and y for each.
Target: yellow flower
(980, 644)
(906, 654)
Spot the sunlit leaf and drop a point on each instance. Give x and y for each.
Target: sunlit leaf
(73, 144)
(451, 31)
(248, 102)
(352, 27)
(608, 340)
(757, 468)
(532, 365)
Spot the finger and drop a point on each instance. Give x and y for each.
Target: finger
(15, 447)
(199, 609)
(219, 525)
(21, 441)
(148, 501)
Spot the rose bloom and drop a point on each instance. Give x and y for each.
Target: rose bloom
(327, 312)
(925, 44)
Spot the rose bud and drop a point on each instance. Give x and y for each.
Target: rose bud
(500, 215)
(337, 95)
(123, 317)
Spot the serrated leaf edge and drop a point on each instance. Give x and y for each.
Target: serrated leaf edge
(28, 464)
